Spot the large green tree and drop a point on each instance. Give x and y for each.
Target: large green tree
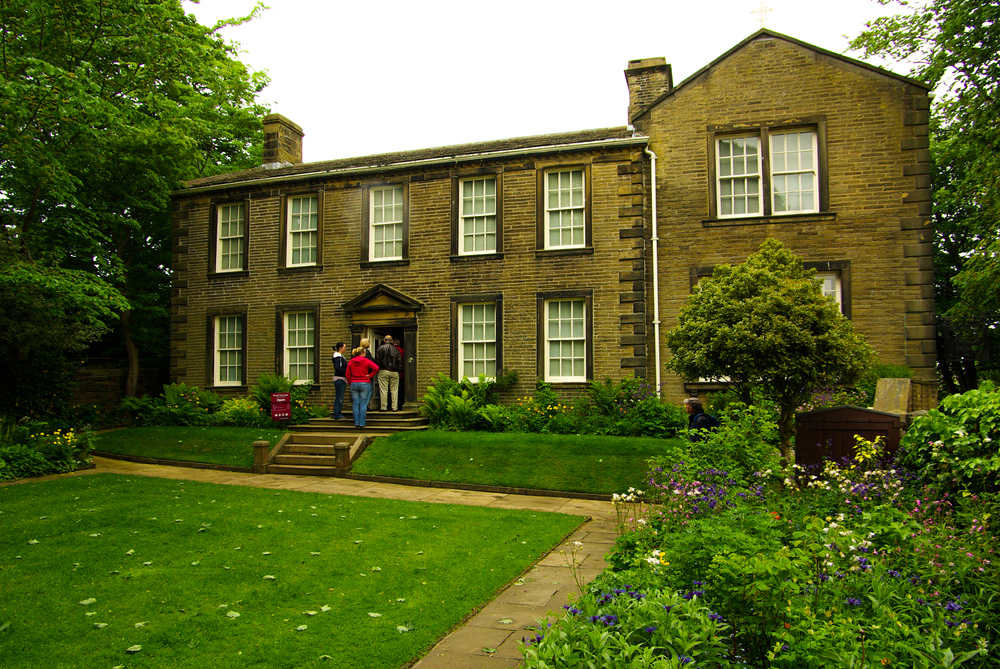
(955, 45)
(766, 326)
(106, 106)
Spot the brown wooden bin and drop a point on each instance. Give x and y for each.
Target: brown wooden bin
(828, 434)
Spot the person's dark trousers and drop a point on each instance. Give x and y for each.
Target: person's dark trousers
(338, 402)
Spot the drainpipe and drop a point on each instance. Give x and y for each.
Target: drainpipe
(656, 272)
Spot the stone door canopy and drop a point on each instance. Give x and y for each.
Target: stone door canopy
(382, 305)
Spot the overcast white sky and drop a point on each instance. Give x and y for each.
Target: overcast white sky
(373, 77)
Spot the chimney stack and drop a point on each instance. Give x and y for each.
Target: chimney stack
(282, 141)
(648, 79)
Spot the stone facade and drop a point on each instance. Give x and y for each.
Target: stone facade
(869, 232)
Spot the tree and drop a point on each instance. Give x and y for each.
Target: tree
(107, 106)
(955, 45)
(766, 326)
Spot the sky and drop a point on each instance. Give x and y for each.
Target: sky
(362, 78)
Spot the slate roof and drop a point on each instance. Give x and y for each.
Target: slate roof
(459, 152)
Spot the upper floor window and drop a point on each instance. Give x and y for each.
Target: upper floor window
(739, 176)
(231, 237)
(565, 209)
(771, 171)
(302, 247)
(793, 172)
(478, 215)
(229, 350)
(386, 223)
(300, 346)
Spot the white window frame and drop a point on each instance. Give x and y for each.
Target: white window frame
(802, 172)
(225, 240)
(377, 211)
(832, 287)
(479, 329)
(296, 233)
(728, 168)
(300, 341)
(229, 350)
(579, 337)
(485, 217)
(564, 204)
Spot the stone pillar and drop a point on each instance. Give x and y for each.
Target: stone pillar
(343, 457)
(260, 452)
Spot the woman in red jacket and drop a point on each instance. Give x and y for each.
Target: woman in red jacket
(360, 371)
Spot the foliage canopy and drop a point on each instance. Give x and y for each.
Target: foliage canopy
(766, 327)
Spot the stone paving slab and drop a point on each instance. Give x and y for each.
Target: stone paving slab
(541, 592)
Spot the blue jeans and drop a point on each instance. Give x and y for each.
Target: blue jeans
(338, 402)
(361, 392)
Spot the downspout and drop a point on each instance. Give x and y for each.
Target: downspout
(656, 273)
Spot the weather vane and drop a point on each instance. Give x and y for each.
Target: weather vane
(762, 11)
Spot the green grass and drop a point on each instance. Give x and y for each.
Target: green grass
(181, 557)
(213, 445)
(541, 461)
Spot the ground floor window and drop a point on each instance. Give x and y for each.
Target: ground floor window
(229, 350)
(565, 337)
(300, 346)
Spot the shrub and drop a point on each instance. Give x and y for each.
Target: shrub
(495, 418)
(242, 412)
(180, 405)
(267, 384)
(957, 445)
(28, 450)
(745, 442)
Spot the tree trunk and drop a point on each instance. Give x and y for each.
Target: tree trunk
(132, 380)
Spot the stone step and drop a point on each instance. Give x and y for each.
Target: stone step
(308, 460)
(301, 470)
(331, 437)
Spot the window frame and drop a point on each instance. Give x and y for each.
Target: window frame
(285, 246)
(543, 299)
(215, 225)
(457, 302)
(763, 132)
(368, 232)
(457, 219)
(282, 362)
(542, 210)
(211, 346)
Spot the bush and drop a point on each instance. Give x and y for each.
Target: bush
(745, 442)
(242, 412)
(28, 450)
(267, 384)
(957, 445)
(180, 405)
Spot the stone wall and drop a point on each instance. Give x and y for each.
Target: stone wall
(873, 130)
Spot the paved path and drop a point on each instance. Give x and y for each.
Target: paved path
(545, 587)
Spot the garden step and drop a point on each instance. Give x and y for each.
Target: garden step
(309, 460)
(331, 436)
(301, 470)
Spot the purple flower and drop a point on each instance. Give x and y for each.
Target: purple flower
(650, 629)
(952, 607)
(854, 601)
(684, 659)
(714, 616)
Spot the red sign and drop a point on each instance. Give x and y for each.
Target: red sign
(281, 406)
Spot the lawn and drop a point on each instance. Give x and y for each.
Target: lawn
(108, 570)
(231, 446)
(583, 463)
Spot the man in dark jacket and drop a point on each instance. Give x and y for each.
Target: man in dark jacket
(698, 418)
(389, 363)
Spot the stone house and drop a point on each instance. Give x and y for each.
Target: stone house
(566, 256)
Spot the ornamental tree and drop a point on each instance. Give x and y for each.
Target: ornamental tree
(766, 328)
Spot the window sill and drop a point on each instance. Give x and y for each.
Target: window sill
(241, 274)
(379, 264)
(815, 217)
(570, 385)
(557, 253)
(242, 389)
(706, 386)
(472, 257)
(300, 270)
